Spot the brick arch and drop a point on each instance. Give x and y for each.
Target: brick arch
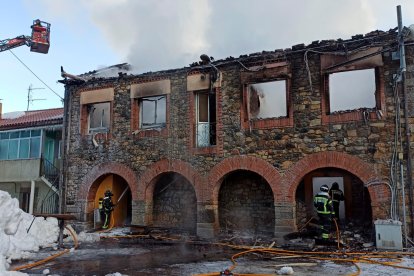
(87, 189)
(249, 163)
(147, 180)
(363, 170)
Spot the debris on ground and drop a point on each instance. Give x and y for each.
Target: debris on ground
(286, 270)
(148, 251)
(300, 244)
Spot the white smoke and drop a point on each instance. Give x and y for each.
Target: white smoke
(157, 35)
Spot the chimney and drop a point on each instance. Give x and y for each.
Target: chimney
(1, 109)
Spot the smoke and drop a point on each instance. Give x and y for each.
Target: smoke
(157, 35)
(154, 35)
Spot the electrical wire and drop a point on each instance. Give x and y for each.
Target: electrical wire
(27, 67)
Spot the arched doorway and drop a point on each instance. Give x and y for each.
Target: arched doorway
(174, 203)
(122, 197)
(246, 204)
(357, 205)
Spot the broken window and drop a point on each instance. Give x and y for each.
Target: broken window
(267, 99)
(205, 126)
(153, 112)
(353, 86)
(352, 90)
(99, 117)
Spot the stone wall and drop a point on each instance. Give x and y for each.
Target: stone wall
(175, 203)
(246, 204)
(287, 149)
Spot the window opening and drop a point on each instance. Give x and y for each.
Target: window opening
(99, 117)
(20, 144)
(352, 90)
(267, 100)
(205, 119)
(153, 112)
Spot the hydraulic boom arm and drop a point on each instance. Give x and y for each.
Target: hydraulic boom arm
(8, 44)
(38, 42)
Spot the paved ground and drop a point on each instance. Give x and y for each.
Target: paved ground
(131, 257)
(157, 257)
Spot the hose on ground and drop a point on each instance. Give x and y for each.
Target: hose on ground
(31, 265)
(356, 257)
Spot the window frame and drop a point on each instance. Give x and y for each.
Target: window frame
(100, 129)
(286, 94)
(141, 110)
(146, 88)
(29, 138)
(199, 80)
(358, 114)
(276, 71)
(266, 123)
(90, 97)
(212, 140)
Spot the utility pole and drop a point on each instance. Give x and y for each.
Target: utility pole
(402, 72)
(30, 100)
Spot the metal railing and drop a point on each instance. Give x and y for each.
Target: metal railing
(50, 204)
(205, 134)
(50, 172)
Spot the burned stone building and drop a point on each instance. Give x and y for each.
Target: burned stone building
(242, 144)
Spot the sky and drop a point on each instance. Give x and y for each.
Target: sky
(155, 35)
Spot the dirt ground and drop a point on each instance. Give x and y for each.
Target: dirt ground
(184, 255)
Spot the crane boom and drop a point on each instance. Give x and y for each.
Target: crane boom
(18, 41)
(38, 42)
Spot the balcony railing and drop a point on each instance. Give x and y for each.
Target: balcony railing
(205, 134)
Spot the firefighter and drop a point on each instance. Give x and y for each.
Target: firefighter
(337, 196)
(108, 207)
(323, 204)
(101, 210)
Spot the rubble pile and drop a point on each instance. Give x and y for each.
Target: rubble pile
(358, 237)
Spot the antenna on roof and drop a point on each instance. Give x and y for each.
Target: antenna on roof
(30, 100)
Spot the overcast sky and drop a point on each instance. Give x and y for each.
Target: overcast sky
(164, 34)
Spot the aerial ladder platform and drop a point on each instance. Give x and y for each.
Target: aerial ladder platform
(39, 41)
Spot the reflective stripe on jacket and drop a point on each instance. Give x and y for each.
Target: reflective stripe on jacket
(336, 195)
(323, 203)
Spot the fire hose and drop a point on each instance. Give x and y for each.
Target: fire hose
(27, 266)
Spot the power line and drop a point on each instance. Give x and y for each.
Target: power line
(36, 75)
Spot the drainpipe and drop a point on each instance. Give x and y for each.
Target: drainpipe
(407, 128)
(31, 200)
(65, 126)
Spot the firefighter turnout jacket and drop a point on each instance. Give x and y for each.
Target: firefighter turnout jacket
(336, 195)
(323, 204)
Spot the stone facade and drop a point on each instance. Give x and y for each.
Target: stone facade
(280, 151)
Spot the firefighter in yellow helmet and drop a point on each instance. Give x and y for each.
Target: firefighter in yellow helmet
(323, 205)
(107, 207)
